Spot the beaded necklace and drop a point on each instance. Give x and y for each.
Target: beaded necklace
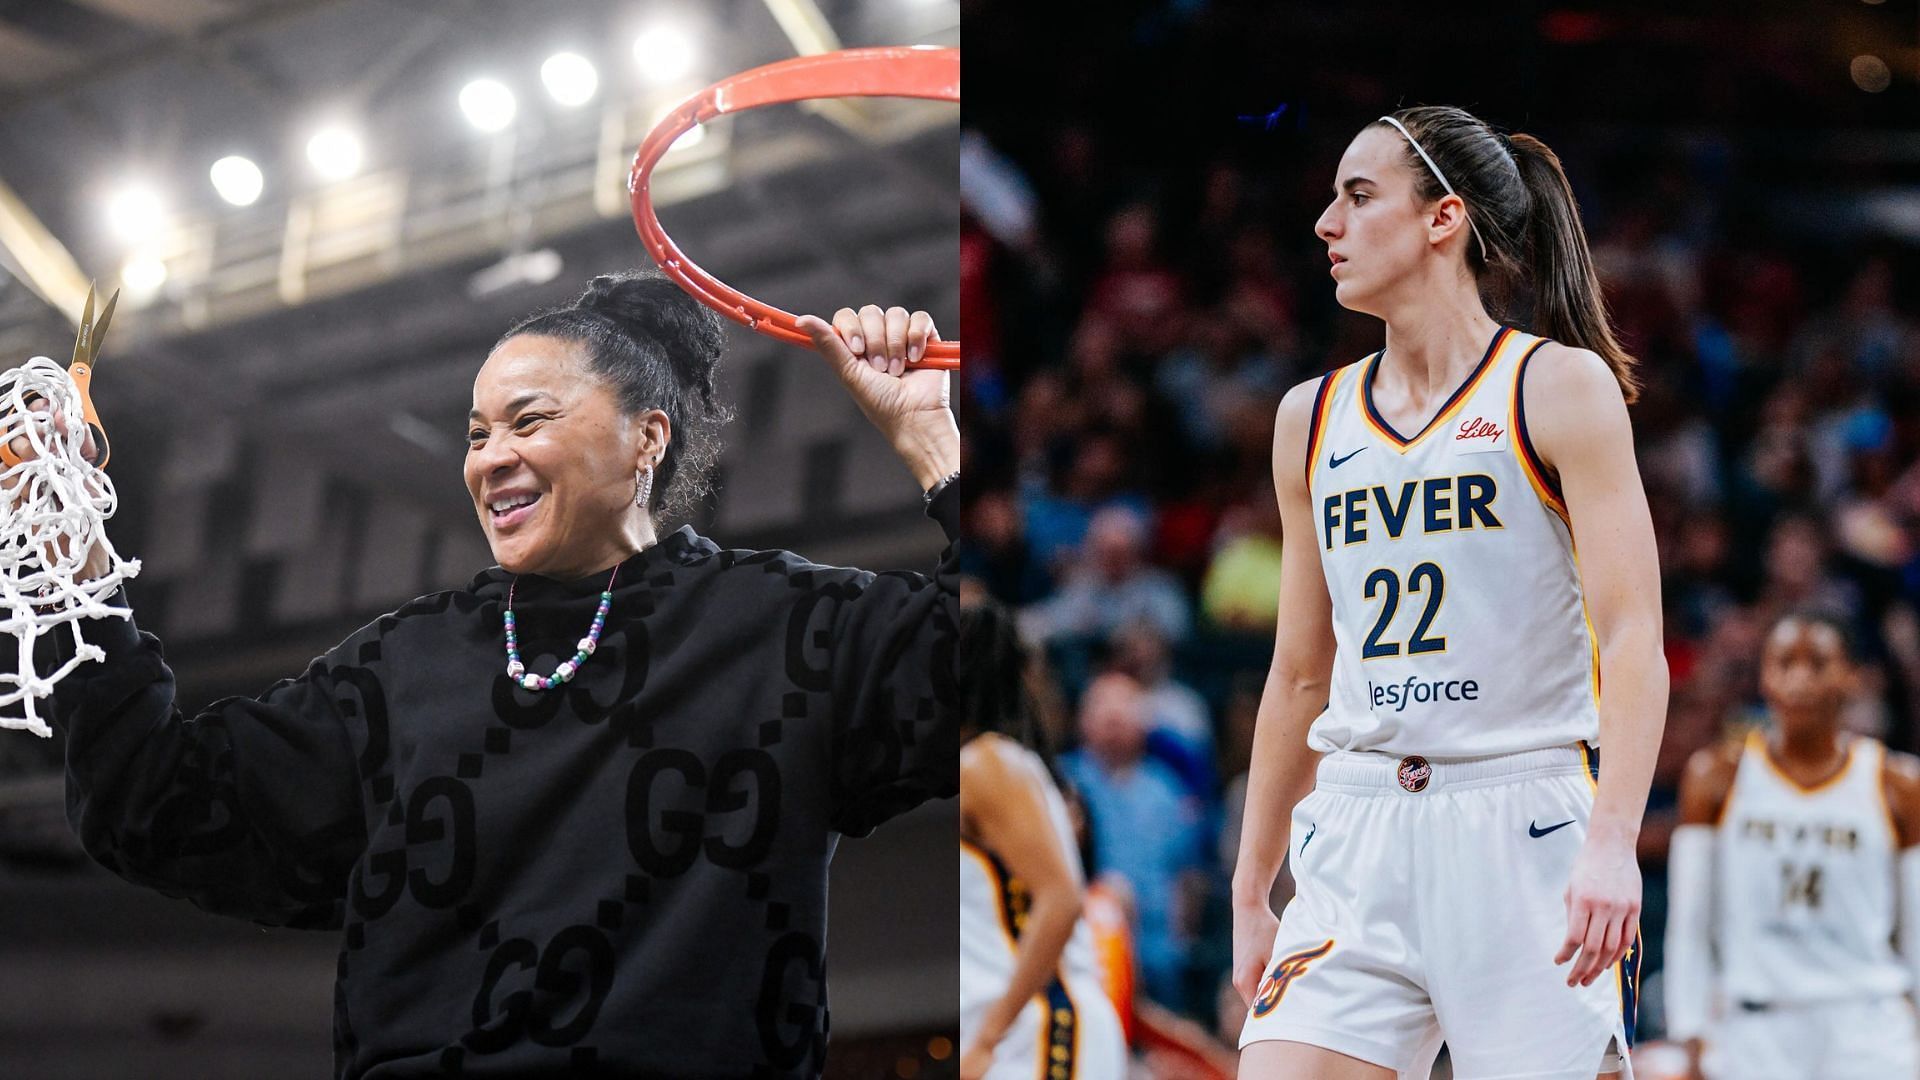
(564, 673)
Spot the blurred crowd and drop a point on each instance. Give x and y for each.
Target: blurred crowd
(1129, 337)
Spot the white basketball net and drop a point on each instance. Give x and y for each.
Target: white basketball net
(55, 507)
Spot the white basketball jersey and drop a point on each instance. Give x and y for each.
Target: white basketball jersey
(1457, 612)
(1805, 883)
(993, 912)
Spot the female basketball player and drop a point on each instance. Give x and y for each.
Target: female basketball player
(575, 818)
(1794, 863)
(1436, 689)
(1031, 1002)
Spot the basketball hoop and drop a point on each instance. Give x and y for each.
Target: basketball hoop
(914, 72)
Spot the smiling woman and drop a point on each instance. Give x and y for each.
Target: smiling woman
(576, 396)
(589, 420)
(575, 818)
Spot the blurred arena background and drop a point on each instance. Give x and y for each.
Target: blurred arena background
(1142, 283)
(287, 379)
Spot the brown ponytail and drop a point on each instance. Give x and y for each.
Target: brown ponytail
(1516, 191)
(1567, 303)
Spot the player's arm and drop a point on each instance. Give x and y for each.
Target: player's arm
(1689, 947)
(1003, 805)
(1281, 770)
(1900, 780)
(1577, 420)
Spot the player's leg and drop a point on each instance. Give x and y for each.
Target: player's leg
(1273, 1060)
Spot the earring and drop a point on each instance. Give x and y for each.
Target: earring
(643, 487)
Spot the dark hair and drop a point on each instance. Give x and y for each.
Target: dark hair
(1832, 620)
(993, 681)
(1517, 194)
(657, 347)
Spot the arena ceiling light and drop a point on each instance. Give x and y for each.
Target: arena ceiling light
(135, 212)
(142, 275)
(1870, 73)
(487, 104)
(663, 53)
(237, 180)
(335, 152)
(570, 78)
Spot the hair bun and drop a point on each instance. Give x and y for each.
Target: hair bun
(651, 309)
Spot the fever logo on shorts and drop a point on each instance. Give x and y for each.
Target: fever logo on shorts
(1274, 986)
(1415, 772)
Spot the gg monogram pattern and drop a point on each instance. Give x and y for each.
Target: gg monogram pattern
(626, 876)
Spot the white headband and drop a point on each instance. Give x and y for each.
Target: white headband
(1437, 175)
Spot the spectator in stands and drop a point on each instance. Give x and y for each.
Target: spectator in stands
(1111, 584)
(1145, 827)
(1241, 593)
(1179, 724)
(1058, 515)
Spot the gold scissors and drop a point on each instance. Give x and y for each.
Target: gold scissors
(86, 352)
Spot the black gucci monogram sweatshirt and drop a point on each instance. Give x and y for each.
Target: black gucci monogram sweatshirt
(626, 876)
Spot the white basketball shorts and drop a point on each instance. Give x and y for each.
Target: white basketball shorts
(1858, 1039)
(1430, 902)
(1068, 1032)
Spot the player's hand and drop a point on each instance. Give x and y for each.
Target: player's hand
(1603, 907)
(1254, 930)
(869, 350)
(1695, 1047)
(975, 1060)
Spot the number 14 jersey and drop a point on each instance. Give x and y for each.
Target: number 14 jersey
(1804, 883)
(1458, 618)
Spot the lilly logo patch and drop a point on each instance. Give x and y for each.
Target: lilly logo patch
(1478, 435)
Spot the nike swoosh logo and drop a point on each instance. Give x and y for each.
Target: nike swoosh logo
(1310, 831)
(1534, 830)
(1334, 462)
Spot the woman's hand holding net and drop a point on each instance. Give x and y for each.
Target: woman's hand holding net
(57, 566)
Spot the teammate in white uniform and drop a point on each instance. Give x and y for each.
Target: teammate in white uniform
(1438, 668)
(1031, 1002)
(1795, 864)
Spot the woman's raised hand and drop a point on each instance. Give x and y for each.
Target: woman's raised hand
(22, 446)
(55, 421)
(869, 350)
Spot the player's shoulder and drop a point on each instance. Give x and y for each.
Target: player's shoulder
(1297, 405)
(991, 758)
(1559, 372)
(1707, 783)
(1900, 771)
(1718, 760)
(1900, 785)
(1300, 397)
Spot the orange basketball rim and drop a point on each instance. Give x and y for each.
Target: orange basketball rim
(901, 71)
